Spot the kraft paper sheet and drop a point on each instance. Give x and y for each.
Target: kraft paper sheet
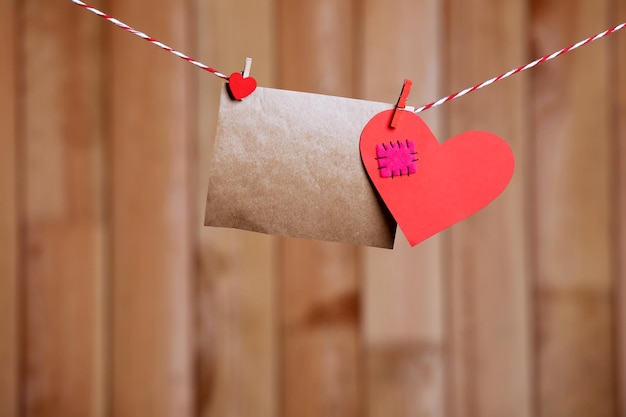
(287, 163)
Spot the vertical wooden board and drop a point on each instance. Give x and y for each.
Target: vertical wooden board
(150, 137)
(237, 344)
(575, 363)
(489, 273)
(9, 244)
(319, 289)
(403, 289)
(404, 331)
(64, 342)
(618, 62)
(317, 46)
(237, 338)
(61, 123)
(320, 358)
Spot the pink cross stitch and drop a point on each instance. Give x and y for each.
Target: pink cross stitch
(396, 159)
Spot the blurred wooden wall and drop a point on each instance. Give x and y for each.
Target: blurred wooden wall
(116, 301)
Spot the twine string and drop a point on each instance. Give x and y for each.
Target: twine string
(150, 39)
(519, 69)
(417, 110)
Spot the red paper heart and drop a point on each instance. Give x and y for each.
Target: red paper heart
(239, 86)
(445, 183)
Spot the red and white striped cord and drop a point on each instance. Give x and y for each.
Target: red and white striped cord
(151, 40)
(417, 110)
(519, 69)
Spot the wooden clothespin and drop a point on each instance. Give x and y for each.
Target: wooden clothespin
(241, 85)
(246, 68)
(404, 95)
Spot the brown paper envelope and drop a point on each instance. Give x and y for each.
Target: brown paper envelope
(287, 163)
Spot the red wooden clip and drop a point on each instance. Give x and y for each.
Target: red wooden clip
(404, 95)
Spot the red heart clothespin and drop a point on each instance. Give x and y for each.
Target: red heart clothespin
(241, 85)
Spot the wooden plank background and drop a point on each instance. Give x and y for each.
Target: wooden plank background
(573, 239)
(490, 361)
(236, 309)
(403, 290)
(150, 148)
(116, 301)
(63, 225)
(10, 295)
(619, 150)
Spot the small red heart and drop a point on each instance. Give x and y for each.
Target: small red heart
(428, 186)
(239, 86)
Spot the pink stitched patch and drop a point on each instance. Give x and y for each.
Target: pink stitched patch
(396, 159)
